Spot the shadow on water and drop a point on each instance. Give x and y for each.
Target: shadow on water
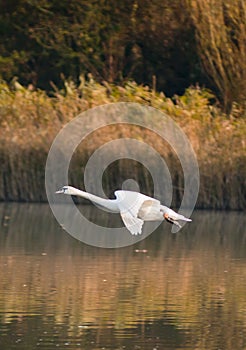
(169, 291)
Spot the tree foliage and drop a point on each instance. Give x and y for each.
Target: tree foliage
(221, 35)
(44, 41)
(113, 40)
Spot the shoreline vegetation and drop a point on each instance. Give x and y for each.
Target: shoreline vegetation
(30, 119)
(68, 58)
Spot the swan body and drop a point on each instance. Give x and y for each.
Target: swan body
(134, 208)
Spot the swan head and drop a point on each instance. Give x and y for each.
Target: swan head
(67, 190)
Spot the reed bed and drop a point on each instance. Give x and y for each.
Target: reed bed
(30, 119)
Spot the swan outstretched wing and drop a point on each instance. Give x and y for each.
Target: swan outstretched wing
(133, 224)
(131, 204)
(150, 210)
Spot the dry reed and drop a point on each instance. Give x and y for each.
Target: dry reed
(29, 120)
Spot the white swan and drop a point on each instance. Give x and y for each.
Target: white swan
(134, 208)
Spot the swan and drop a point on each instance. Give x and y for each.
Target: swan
(134, 208)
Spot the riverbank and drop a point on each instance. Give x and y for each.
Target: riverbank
(29, 121)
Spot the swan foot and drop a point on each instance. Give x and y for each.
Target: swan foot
(170, 220)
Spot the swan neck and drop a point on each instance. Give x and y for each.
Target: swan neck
(107, 203)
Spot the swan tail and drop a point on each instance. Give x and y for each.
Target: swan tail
(183, 218)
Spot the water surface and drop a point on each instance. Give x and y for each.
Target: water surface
(170, 291)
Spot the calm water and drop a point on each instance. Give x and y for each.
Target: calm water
(170, 291)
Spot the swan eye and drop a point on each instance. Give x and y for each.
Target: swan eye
(64, 189)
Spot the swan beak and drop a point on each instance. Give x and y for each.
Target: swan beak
(60, 191)
(166, 216)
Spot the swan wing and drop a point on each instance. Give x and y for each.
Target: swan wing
(129, 204)
(150, 210)
(133, 224)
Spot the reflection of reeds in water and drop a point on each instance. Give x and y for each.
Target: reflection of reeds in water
(30, 120)
(195, 279)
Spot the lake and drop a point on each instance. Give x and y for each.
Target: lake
(169, 291)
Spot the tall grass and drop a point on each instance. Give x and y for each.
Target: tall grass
(220, 28)
(29, 121)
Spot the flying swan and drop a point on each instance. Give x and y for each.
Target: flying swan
(134, 208)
